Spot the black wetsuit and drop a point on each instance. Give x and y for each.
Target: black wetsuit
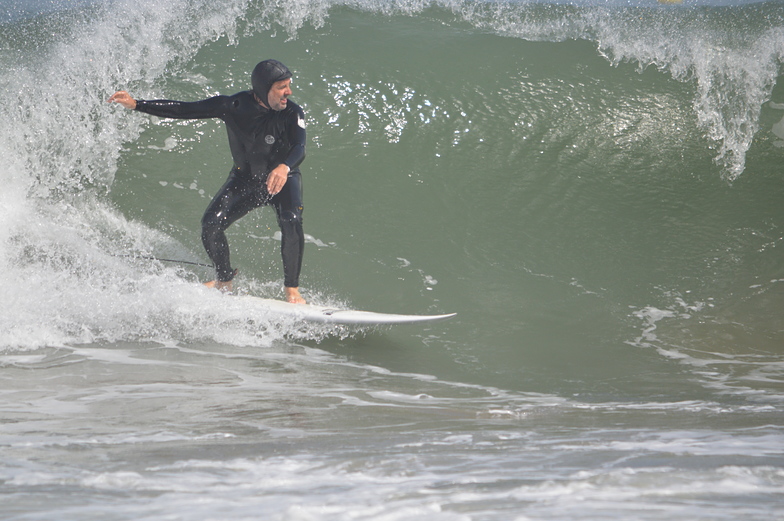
(260, 139)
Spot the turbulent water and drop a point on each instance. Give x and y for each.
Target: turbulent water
(594, 187)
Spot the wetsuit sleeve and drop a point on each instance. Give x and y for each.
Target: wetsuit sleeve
(214, 107)
(296, 137)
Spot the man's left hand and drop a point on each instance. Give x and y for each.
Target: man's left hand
(277, 178)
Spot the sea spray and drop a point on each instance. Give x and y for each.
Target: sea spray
(618, 349)
(62, 144)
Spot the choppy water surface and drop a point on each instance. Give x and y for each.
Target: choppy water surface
(594, 187)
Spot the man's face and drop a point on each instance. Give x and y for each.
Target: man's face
(277, 96)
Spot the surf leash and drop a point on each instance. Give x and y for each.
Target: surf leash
(147, 257)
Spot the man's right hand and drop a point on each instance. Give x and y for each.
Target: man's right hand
(277, 178)
(123, 98)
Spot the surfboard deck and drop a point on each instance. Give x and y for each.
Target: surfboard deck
(331, 315)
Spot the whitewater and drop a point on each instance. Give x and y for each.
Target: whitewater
(594, 187)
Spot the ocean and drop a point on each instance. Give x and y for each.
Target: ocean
(594, 187)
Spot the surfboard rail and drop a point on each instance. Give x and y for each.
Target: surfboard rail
(338, 316)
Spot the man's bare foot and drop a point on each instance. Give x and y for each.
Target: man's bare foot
(225, 287)
(293, 296)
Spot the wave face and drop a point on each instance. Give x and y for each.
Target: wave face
(594, 187)
(559, 88)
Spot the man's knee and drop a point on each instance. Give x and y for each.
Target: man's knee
(289, 218)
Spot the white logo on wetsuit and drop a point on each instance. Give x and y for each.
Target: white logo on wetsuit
(269, 139)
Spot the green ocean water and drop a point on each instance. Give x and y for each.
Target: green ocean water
(523, 202)
(594, 189)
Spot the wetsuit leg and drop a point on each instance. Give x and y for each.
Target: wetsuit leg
(288, 205)
(238, 196)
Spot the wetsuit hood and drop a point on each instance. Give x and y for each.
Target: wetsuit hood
(265, 74)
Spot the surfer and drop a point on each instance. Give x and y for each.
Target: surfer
(267, 141)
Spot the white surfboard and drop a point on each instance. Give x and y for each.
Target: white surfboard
(331, 315)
